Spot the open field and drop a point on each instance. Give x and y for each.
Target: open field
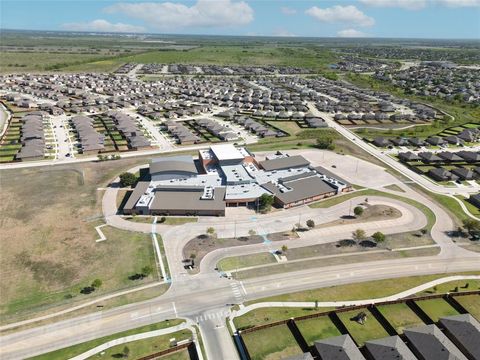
(318, 328)
(370, 330)
(314, 58)
(74, 350)
(400, 316)
(471, 303)
(362, 290)
(41, 61)
(48, 237)
(271, 314)
(436, 308)
(145, 347)
(272, 343)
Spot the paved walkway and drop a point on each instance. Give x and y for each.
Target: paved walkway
(394, 297)
(145, 335)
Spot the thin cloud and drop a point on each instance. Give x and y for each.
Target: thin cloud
(101, 25)
(351, 33)
(402, 4)
(287, 10)
(341, 14)
(204, 13)
(283, 33)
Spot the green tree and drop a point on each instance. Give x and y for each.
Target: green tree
(127, 179)
(325, 143)
(265, 202)
(252, 232)
(378, 237)
(284, 248)
(210, 231)
(358, 211)
(97, 283)
(310, 223)
(126, 351)
(359, 235)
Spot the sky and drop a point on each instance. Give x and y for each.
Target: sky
(436, 19)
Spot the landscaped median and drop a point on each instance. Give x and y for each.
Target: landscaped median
(371, 192)
(136, 348)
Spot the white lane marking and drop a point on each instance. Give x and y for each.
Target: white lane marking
(174, 308)
(243, 288)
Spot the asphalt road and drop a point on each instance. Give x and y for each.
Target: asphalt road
(205, 297)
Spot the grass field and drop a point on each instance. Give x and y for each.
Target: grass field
(471, 303)
(40, 61)
(313, 57)
(239, 262)
(316, 329)
(365, 290)
(145, 347)
(48, 238)
(271, 314)
(436, 308)
(332, 261)
(400, 316)
(370, 330)
(459, 285)
(272, 343)
(75, 350)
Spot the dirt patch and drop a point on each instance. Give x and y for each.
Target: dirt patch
(47, 217)
(370, 213)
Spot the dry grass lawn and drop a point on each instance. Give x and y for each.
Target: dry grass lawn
(48, 248)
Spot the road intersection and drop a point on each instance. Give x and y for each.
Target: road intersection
(205, 298)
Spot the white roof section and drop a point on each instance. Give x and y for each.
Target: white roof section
(227, 152)
(245, 191)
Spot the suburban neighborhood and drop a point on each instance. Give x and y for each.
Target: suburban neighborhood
(240, 180)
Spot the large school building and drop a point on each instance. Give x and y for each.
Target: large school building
(225, 175)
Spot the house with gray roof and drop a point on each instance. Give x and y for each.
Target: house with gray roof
(428, 342)
(463, 173)
(338, 348)
(464, 331)
(441, 174)
(389, 348)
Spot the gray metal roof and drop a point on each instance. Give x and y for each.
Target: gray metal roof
(284, 163)
(338, 348)
(173, 164)
(429, 342)
(300, 189)
(464, 329)
(186, 198)
(389, 348)
(135, 195)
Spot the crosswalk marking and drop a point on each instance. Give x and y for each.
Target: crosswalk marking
(212, 316)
